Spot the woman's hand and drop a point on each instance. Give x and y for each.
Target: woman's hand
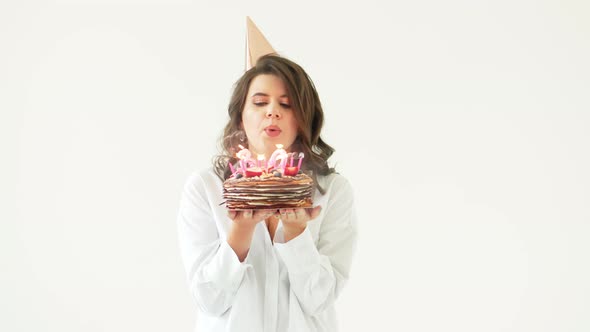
(249, 218)
(242, 229)
(295, 220)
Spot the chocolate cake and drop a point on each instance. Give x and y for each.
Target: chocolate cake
(268, 191)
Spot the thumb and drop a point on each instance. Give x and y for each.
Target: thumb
(315, 212)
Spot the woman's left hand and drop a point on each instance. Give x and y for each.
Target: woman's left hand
(295, 220)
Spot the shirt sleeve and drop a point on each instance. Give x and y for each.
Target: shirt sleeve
(318, 274)
(214, 272)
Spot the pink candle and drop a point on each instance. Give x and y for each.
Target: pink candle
(260, 160)
(301, 155)
(244, 155)
(283, 163)
(231, 167)
(279, 153)
(291, 163)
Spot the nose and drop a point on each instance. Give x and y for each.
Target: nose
(273, 113)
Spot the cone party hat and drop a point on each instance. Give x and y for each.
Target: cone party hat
(256, 44)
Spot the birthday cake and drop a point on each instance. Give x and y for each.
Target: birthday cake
(268, 191)
(268, 185)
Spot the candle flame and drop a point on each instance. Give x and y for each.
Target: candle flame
(241, 147)
(260, 157)
(279, 146)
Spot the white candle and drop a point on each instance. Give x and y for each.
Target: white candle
(301, 155)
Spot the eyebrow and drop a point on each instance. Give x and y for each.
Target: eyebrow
(265, 95)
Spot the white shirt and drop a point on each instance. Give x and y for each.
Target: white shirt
(280, 286)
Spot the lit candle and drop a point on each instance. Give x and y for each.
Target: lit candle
(260, 159)
(275, 155)
(233, 170)
(291, 164)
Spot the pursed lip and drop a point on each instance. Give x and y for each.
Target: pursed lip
(272, 130)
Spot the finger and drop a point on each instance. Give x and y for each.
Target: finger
(263, 214)
(286, 215)
(315, 212)
(291, 215)
(301, 214)
(231, 214)
(247, 214)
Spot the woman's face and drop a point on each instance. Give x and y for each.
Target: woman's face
(267, 117)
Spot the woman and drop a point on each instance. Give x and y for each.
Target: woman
(269, 270)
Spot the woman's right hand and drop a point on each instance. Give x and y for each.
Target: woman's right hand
(240, 234)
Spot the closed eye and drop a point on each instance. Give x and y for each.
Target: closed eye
(263, 103)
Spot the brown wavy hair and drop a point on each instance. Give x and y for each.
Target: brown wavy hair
(307, 109)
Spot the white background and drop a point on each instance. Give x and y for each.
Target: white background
(464, 127)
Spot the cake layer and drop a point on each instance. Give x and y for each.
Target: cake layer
(269, 205)
(268, 192)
